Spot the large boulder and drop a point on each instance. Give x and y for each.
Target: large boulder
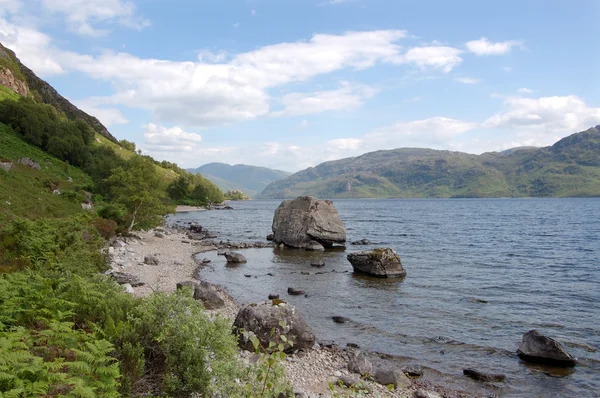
(382, 262)
(535, 347)
(264, 321)
(210, 295)
(304, 221)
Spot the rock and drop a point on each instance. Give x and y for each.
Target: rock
(196, 228)
(273, 297)
(340, 319)
(387, 376)
(209, 295)
(315, 246)
(233, 257)
(220, 253)
(128, 288)
(11, 81)
(381, 262)
(362, 242)
(298, 393)
(358, 363)
(248, 275)
(159, 234)
(421, 393)
(413, 370)
(304, 273)
(262, 318)
(270, 237)
(226, 208)
(535, 347)
(294, 292)
(205, 260)
(151, 260)
(349, 381)
(317, 263)
(122, 278)
(481, 376)
(298, 222)
(30, 163)
(6, 166)
(119, 243)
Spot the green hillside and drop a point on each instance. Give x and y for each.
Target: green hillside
(571, 167)
(248, 179)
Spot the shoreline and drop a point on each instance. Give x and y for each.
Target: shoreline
(310, 372)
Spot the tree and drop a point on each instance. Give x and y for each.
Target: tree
(179, 189)
(137, 186)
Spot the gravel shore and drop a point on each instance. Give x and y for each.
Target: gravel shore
(311, 372)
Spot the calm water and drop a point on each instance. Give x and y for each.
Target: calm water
(481, 272)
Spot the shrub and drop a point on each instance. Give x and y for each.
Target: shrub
(106, 228)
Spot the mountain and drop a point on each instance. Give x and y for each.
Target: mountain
(570, 167)
(248, 179)
(21, 80)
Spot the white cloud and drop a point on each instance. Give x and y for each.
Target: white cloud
(212, 57)
(346, 143)
(485, 47)
(9, 6)
(347, 97)
(163, 139)
(435, 132)
(467, 80)
(544, 120)
(107, 116)
(436, 57)
(83, 15)
(524, 91)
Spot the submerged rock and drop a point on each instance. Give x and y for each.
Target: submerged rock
(233, 257)
(481, 376)
(264, 318)
(294, 292)
(361, 242)
(317, 263)
(340, 319)
(299, 222)
(381, 262)
(535, 347)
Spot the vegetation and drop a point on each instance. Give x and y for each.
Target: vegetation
(236, 195)
(571, 167)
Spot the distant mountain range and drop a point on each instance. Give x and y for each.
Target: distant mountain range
(249, 179)
(569, 168)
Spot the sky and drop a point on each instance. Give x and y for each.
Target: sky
(289, 84)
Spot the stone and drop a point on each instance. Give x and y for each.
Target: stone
(30, 163)
(205, 260)
(150, 260)
(381, 262)
(304, 273)
(421, 393)
(273, 296)
(119, 243)
(128, 288)
(317, 263)
(299, 222)
(535, 347)
(349, 381)
(209, 295)
(122, 278)
(413, 370)
(358, 363)
(233, 257)
(6, 166)
(260, 319)
(159, 234)
(8, 79)
(361, 242)
(294, 292)
(270, 237)
(298, 393)
(481, 376)
(340, 319)
(314, 246)
(387, 376)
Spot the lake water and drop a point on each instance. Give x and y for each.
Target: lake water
(480, 273)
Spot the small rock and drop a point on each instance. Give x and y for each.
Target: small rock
(352, 345)
(122, 278)
(387, 376)
(220, 253)
(340, 319)
(151, 260)
(233, 257)
(273, 297)
(298, 393)
(535, 347)
(413, 370)
(205, 260)
(248, 275)
(358, 363)
(313, 245)
(270, 237)
(361, 242)
(128, 288)
(317, 263)
(337, 373)
(481, 376)
(295, 292)
(159, 234)
(421, 393)
(304, 273)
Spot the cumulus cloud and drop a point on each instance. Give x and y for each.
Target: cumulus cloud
(83, 15)
(467, 80)
(174, 139)
(545, 117)
(436, 57)
(485, 47)
(347, 97)
(108, 116)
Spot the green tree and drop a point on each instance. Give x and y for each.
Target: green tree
(179, 189)
(137, 186)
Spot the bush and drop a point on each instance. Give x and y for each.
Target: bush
(106, 228)
(115, 212)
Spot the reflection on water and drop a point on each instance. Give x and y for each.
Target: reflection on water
(480, 274)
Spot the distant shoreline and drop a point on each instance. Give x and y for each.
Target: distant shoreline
(188, 209)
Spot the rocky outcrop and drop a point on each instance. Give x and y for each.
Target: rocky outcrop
(30, 163)
(306, 222)
(382, 262)
(8, 79)
(264, 318)
(535, 347)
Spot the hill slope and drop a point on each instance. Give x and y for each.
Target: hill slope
(248, 179)
(571, 167)
(22, 80)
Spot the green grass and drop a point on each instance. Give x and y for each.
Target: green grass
(24, 191)
(7, 93)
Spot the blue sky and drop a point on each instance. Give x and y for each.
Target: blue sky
(289, 84)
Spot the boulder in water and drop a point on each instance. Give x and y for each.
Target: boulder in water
(264, 318)
(300, 222)
(482, 376)
(381, 262)
(233, 257)
(535, 347)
